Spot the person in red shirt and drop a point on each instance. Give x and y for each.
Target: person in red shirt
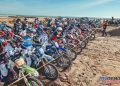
(57, 34)
(104, 33)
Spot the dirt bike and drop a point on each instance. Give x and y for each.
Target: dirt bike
(81, 36)
(91, 34)
(73, 43)
(55, 51)
(77, 36)
(88, 33)
(70, 52)
(59, 53)
(38, 60)
(26, 74)
(3, 68)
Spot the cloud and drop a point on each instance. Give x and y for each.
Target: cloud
(61, 8)
(95, 3)
(21, 7)
(9, 7)
(85, 4)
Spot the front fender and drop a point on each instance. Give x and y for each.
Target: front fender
(30, 70)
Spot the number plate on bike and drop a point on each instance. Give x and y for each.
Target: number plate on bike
(19, 62)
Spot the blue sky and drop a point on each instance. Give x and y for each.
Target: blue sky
(89, 8)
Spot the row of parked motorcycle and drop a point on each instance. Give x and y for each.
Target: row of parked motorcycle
(26, 59)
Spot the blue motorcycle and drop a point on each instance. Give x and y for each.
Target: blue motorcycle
(60, 54)
(37, 59)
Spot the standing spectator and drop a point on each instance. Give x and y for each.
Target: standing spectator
(17, 26)
(24, 24)
(104, 33)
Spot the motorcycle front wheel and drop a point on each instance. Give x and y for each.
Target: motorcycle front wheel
(50, 72)
(92, 37)
(35, 82)
(72, 54)
(83, 44)
(63, 62)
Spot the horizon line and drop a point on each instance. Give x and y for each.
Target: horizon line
(2, 15)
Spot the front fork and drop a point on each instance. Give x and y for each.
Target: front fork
(25, 78)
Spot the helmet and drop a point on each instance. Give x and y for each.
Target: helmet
(59, 28)
(26, 37)
(4, 43)
(2, 33)
(26, 44)
(35, 39)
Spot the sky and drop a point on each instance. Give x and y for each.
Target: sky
(75, 8)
